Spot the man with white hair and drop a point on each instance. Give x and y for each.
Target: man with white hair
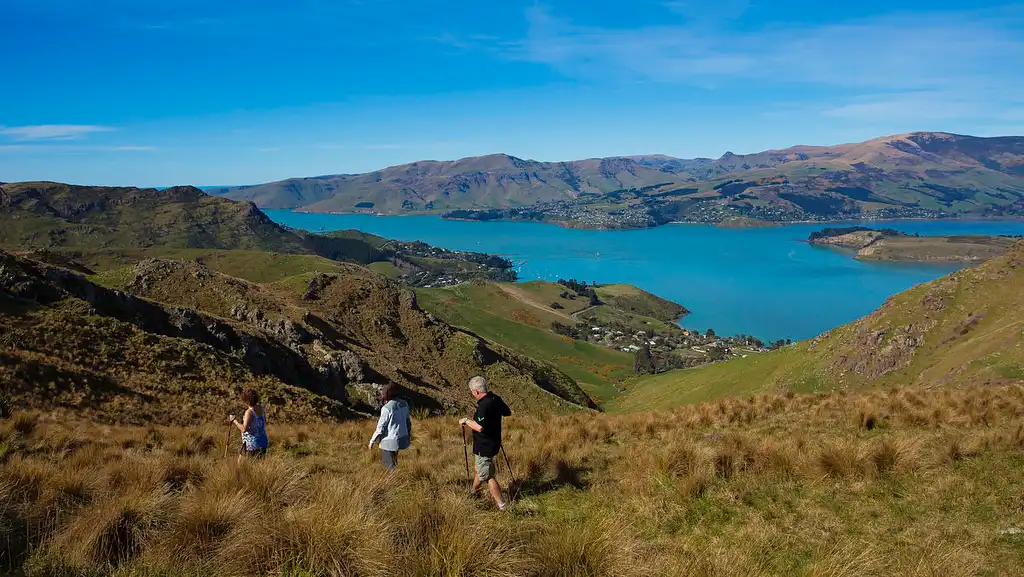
(486, 426)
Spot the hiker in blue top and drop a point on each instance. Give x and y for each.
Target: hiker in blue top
(253, 427)
(394, 429)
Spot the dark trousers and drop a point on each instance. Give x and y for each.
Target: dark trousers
(389, 458)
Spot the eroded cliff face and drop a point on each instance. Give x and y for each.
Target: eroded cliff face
(321, 346)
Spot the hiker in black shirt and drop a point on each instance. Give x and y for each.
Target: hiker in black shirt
(486, 426)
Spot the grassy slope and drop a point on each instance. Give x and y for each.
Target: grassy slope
(967, 327)
(490, 312)
(546, 293)
(911, 482)
(520, 316)
(115, 226)
(371, 239)
(632, 299)
(609, 316)
(254, 266)
(49, 215)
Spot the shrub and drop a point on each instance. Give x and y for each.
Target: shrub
(112, 532)
(839, 458)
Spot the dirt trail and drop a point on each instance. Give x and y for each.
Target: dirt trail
(524, 298)
(576, 315)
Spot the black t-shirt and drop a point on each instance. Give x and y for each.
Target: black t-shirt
(489, 411)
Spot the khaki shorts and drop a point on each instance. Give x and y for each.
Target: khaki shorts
(484, 468)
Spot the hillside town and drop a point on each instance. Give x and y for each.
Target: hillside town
(665, 350)
(645, 212)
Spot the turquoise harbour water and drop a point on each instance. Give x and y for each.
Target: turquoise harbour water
(760, 281)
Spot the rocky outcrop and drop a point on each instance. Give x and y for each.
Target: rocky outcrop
(359, 332)
(882, 351)
(857, 240)
(45, 285)
(285, 330)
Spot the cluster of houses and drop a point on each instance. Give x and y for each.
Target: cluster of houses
(694, 345)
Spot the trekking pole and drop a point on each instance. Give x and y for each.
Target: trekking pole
(227, 441)
(510, 474)
(465, 453)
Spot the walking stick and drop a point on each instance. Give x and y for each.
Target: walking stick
(465, 453)
(510, 474)
(227, 441)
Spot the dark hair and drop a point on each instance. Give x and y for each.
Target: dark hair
(389, 392)
(251, 397)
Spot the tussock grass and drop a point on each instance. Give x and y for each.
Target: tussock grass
(777, 485)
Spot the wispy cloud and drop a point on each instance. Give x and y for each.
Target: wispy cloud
(695, 10)
(923, 105)
(51, 131)
(930, 66)
(913, 51)
(195, 25)
(354, 146)
(129, 148)
(65, 148)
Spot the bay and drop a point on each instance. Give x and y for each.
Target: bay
(764, 282)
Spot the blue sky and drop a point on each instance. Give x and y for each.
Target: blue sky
(195, 92)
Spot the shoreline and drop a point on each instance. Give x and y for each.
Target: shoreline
(720, 224)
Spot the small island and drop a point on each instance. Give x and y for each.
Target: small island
(892, 245)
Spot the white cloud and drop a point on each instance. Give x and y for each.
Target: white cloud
(337, 145)
(904, 68)
(66, 148)
(129, 148)
(51, 131)
(919, 51)
(927, 105)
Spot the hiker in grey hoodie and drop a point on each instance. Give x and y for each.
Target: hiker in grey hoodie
(394, 428)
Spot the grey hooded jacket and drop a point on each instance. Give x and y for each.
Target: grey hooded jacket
(394, 427)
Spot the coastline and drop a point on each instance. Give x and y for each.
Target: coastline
(720, 224)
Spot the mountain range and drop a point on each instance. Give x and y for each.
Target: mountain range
(931, 174)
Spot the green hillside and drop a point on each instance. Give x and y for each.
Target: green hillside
(55, 216)
(109, 227)
(510, 315)
(640, 302)
(964, 328)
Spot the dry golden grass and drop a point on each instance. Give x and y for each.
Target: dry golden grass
(900, 482)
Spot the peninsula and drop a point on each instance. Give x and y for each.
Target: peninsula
(892, 245)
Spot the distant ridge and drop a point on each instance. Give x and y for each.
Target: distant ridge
(933, 173)
(492, 181)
